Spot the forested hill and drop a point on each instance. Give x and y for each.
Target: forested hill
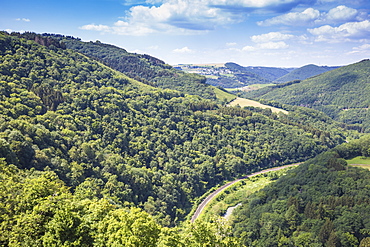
(109, 136)
(323, 202)
(264, 74)
(342, 93)
(233, 75)
(304, 73)
(144, 68)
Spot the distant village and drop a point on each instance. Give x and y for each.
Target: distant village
(206, 70)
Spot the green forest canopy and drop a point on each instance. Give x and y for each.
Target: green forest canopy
(341, 93)
(95, 127)
(82, 142)
(144, 68)
(323, 202)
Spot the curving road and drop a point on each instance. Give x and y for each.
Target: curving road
(216, 192)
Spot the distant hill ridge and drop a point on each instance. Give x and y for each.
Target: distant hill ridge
(341, 93)
(304, 72)
(106, 135)
(233, 75)
(267, 73)
(144, 68)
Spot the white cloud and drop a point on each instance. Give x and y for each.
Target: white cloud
(126, 28)
(23, 19)
(273, 45)
(188, 16)
(96, 27)
(351, 31)
(135, 2)
(341, 13)
(293, 18)
(153, 47)
(172, 16)
(231, 44)
(338, 14)
(180, 16)
(249, 48)
(271, 41)
(266, 46)
(183, 50)
(362, 48)
(256, 3)
(272, 36)
(239, 3)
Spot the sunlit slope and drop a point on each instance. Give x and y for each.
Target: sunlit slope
(109, 136)
(142, 67)
(342, 93)
(304, 72)
(247, 102)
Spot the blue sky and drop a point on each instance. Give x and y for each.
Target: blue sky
(280, 33)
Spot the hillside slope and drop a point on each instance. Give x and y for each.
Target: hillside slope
(141, 67)
(255, 75)
(251, 103)
(113, 137)
(232, 75)
(341, 93)
(323, 202)
(303, 73)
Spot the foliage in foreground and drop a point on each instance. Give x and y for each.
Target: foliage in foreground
(235, 194)
(37, 209)
(323, 202)
(66, 120)
(144, 68)
(129, 142)
(341, 94)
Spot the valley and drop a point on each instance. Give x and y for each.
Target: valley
(202, 206)
(103, 147)
(234, 76)
(340, 93)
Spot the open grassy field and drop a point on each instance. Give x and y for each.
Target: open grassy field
(258, 86)
(247, 102)
(211, 77)
(221, 95)
(360, 161)
(250, 87)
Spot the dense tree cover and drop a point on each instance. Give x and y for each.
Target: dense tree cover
(263, 74)
(341, 93)
(45, 41)
(242, 77)
(233, 75)
(304, 72)
(144, 68)
(37, 209)
(311, 120)
(106, 134)
(262, 91)
(225, 82)
(323, 202)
